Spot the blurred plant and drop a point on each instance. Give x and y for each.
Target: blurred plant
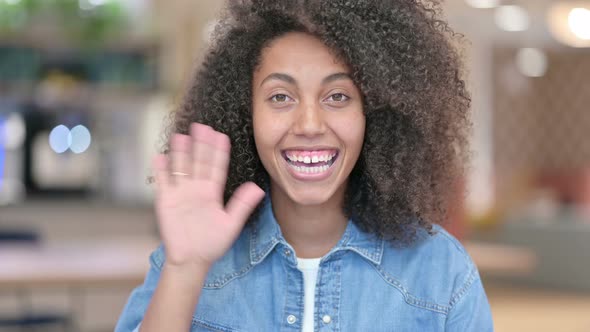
(88, 22)
(14, 15)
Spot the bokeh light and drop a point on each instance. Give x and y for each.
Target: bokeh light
(97, 2)
(14, 131)
(531, 62)
(569, 23)
(483, 3)
(512, 18)
(579, 22)
(80, 139)
(60, 139)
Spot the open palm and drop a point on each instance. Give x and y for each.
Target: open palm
(195, 225)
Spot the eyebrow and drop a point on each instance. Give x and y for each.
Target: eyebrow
(336, 77)
(289, 79)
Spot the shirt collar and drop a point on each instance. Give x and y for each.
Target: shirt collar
(266, 234)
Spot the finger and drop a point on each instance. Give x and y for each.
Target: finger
(220, 159)
(244, 201)
(203, 149)
(162, 174)
(181, 153)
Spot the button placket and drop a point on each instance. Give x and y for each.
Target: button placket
(329, 280)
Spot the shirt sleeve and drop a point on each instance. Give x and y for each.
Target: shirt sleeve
(471, 311)
(140, 297)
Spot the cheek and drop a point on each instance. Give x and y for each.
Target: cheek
(259, 124)
(356, 144)
(352, 131)
(360, 133)
(270, 125)
(268, 132)
(264, 130)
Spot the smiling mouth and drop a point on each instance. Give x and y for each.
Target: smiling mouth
(314, 162)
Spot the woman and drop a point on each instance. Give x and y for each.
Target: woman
(347, 122)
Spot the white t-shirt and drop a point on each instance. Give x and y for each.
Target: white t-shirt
(310, 268)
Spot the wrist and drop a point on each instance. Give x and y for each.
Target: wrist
(188, 272)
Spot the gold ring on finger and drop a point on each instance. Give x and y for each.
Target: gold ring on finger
(179, 173)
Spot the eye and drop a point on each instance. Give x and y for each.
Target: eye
(280, 98)
(338, 97)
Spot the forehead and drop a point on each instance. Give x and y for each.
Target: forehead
(297, 52)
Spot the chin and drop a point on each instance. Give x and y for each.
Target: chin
(310, 196)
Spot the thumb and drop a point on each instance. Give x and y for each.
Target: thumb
(244, 201)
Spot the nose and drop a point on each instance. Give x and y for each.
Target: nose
(309, 120)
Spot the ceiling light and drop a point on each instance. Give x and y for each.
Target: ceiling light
(483, 3)
(579, 22)
(512, 18)
(569, 22)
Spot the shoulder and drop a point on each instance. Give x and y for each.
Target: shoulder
(439, 251)
(434, 272)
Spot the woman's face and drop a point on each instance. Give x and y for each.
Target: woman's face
(308, 119)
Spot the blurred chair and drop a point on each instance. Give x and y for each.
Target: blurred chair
(28, 320)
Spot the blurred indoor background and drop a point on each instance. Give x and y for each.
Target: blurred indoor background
(85, 90)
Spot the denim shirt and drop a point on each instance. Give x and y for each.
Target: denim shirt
(363, 284)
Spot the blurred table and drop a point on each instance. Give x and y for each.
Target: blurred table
(89, 263)
(518, 307)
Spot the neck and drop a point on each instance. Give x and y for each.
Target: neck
(312, 230)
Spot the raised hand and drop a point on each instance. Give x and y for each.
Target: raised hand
(194, 224)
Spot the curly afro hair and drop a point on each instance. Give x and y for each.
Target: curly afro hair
(402, 59)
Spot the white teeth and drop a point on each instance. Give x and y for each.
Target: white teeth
(310, 170)
(313, 159)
